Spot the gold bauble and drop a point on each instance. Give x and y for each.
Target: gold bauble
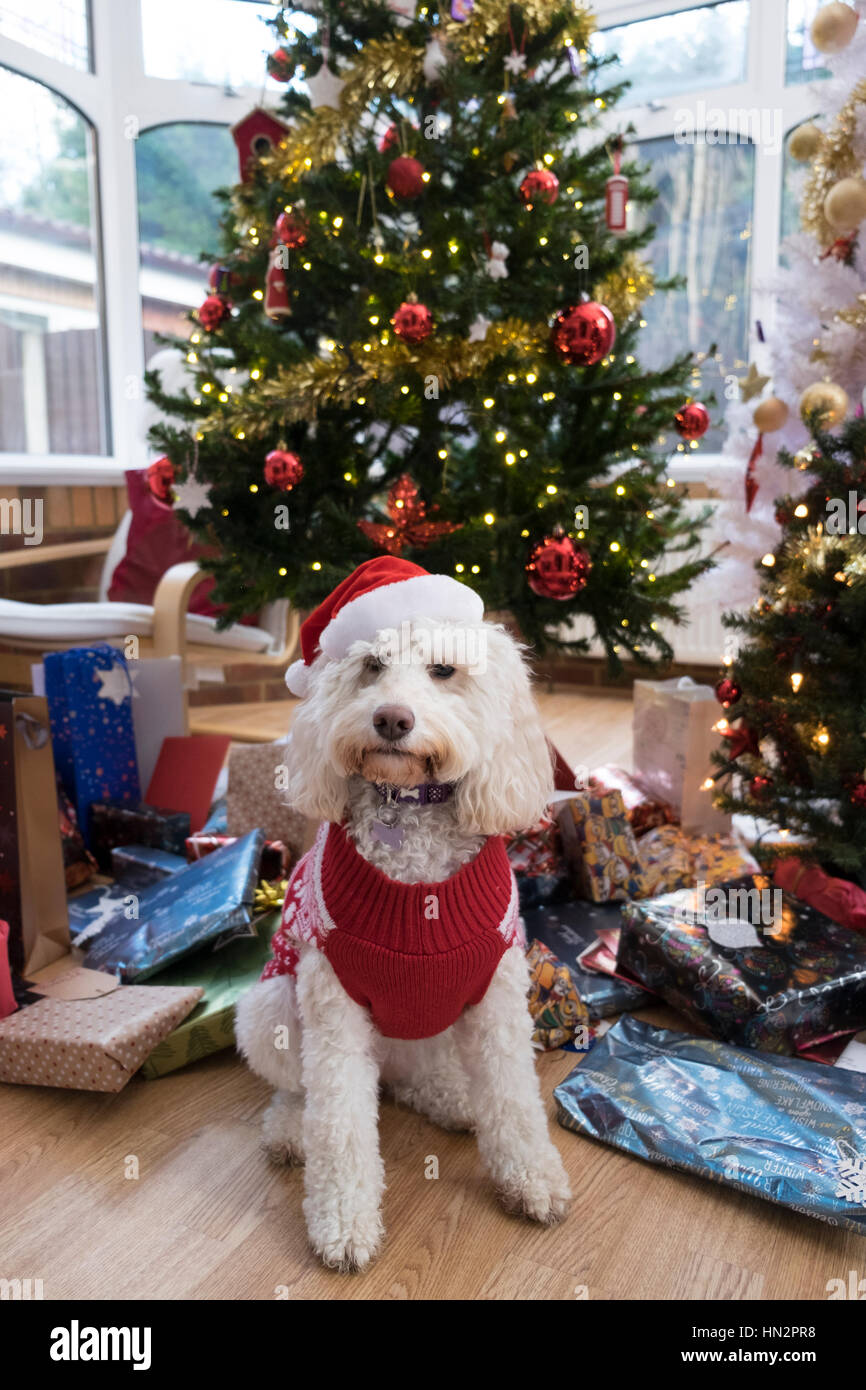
(845, 204)
(770, 415)
(833, 27)
(825, 400)
(805, 142)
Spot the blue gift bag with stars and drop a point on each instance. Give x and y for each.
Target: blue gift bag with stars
(89, 697)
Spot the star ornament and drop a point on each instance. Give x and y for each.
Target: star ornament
(113, 685)
(752, 384)
(515, 63)
(408, 524)
(478, 329)
(192, 496)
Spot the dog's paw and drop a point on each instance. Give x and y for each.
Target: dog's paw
(541, 1191)
(348, 1247)
(281, 1129)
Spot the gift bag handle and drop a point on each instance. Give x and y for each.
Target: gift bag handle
(32, 730)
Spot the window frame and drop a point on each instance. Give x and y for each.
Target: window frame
(764, 86)
(117, 88)
(114, 90)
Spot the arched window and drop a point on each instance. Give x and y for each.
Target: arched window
(52, 383)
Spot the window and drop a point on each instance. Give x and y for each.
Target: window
(178, 168)
(803, 62)
(51, 371)
(703, 234)
(219, 42)
(58, 28)
(676, 53)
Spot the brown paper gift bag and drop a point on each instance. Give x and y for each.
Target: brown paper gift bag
(32, 882)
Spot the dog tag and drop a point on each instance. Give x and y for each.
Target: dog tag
(390, 835)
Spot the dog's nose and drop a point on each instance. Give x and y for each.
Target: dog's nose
(393, 722)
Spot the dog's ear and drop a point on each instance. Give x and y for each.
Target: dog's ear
(512, 781)
(315, 787)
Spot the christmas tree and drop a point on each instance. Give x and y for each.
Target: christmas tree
(796, 689)
(423, 336)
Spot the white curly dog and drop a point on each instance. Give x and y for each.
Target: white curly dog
(417, 754)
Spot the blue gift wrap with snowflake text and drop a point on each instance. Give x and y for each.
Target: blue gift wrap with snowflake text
(790, 1131)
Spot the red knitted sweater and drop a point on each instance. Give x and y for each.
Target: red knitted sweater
(414, 954)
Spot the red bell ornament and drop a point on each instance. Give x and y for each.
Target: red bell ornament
(212, 312)
(405, 176)
(583, 334)
(412, 322)
(728, 692)
(283, 469)
(539, 186)
(692, 421)
(557, 568)
(160, 479)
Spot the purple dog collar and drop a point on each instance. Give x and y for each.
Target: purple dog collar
(427, 794)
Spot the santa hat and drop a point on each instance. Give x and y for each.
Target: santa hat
(382, 593)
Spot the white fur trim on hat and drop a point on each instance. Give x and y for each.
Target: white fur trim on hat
(389, 605)
(298, 678)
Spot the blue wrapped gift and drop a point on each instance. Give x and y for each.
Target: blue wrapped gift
(791, 1131)
(568, 928)
(90, 707)
(140, 866)
(207, 903)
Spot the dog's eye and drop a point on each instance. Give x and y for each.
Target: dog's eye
(441, 673)
(373, 665)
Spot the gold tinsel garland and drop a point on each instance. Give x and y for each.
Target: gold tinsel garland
(396, 66)
(835, 160)
(624, 289)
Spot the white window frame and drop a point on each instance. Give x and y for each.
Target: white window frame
(115, 90)
(764, 87)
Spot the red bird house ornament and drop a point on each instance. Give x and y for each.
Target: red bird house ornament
(408, 524)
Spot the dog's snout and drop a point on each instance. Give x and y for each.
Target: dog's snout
(393, 722)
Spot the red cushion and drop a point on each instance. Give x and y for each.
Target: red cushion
(157, 539)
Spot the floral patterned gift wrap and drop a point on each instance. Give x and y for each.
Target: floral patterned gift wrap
(749, 963)
(790, 1131)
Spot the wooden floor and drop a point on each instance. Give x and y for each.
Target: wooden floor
(163, 1192)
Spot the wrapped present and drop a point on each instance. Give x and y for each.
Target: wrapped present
(207, 903)
(114, 823)
(779, 1128)
(558, 1013)
(140, 866)
(644, 810)
(671, 859)
(674, 738)
(569, 929)
(537, 852)
(90, 705)
(276, 857)
(186, 775)
(223, 976)
(79, 865)
(749, 963)
(256, 799)
(842, 901)
(7, 994)
(599, 847)
(87, 1032)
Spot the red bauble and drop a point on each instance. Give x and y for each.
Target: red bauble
(583, 334)
(557, 568)
(858, 795)
(283, 469)
(280, 65)
(160, 479)
(728, 692)
(212, 312)
(405, 176)
(291, 231)
(760, 786)
(412, 322)
(692, 421)
(539, 186)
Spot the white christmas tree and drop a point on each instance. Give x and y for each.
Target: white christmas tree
(814, 357)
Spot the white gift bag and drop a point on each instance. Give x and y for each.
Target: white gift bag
(674, 742)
